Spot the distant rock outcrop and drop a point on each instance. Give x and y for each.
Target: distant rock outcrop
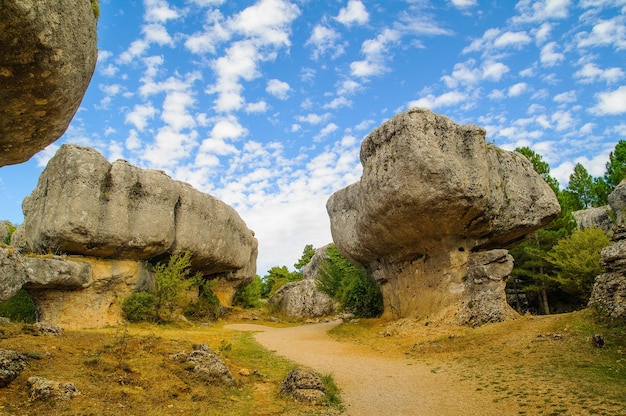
(108, 220)
(608, 295)
(47, 58)
(302, 299)
(433, 194)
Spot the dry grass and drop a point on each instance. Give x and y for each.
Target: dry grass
(128, 371)
(542, 365)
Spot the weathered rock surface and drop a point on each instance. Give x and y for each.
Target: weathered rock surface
(206, 364)
(5, 227)
(13, 273)
(11, 365)
(47, 58)
(597, 217)
(87, 206)
(303, 385)
(44, 389)
(302, 299)
(97, 302)
(608, 295)
(431, 193)
(484, 298)
(312, 269)
(617, 202)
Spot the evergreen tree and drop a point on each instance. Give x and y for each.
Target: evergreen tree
(616, 166)
(307, 255)
(581, 186)
(577, 261)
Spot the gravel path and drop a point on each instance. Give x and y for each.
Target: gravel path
(372, 384)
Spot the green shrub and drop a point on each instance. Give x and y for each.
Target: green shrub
(139, 307)
(355, 291)
(249, 295)
(20, 308)
(207, 306)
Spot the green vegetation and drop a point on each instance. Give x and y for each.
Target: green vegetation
(7, 238)
(20, 308)
(171, 284)
(355, 291)
(249, 295)
(546, 277)
(278, 276)
(577, 261)
(95, 7)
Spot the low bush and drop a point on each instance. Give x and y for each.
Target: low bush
(20, 308)
(139, 307)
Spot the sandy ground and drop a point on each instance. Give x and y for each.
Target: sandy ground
(372, 384)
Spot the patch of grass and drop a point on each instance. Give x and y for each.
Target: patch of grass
(128, 370)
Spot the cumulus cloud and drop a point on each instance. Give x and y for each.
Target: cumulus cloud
(462, 4)
(540, 10)
(140, 115)
(325, 41)
(610, 102)
(353, 14)
(611, 32)
(444, 100)
(278, 89)
(590, 73)
(550, 56)
(375, 57)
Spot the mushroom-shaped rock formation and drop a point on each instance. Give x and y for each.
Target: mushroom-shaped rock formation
(432, 194)
(84, 205)
(47, 58)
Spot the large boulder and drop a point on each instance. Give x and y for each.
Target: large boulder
(85, 205)
(431, 193)
(47, 58)
(302, 299)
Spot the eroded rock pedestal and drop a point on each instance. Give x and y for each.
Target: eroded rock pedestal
(434, 196)
(110, 219)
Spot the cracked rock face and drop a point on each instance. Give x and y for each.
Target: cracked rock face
(433, 192)
(47, 58)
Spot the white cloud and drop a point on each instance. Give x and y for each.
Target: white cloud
(266, 20)
(328, 129)
(517, 89)
(375, 57)
(256, 108)
(157, 33)
(443, 100)
(353, 14)
(610, 102)
(540, 10)
(610, 32)
(213, 35)
(338, 103)
(512, 39)
(159, 11)
(325, 40)
(313, 118)
(590, 72)
(140, 115)
(462, 4)
(137, 48)
(566, 97)
(543, 33)
(563, 120)
(549, 55)
(278, 89)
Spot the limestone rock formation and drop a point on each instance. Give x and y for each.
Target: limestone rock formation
(303, 385)
(597, 217)
(11, 365)
(608, 295)
(47, 58)
(302, 299)
(87, 206)
(44, 389)
(206, 364)
(431, 193)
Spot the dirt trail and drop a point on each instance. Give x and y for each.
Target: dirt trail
(373, 384)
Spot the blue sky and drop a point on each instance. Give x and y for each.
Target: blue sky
(264, 103)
